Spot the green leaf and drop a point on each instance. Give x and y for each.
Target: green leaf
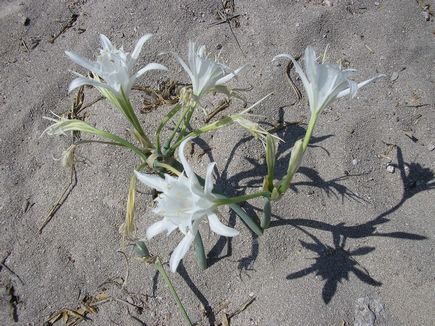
(200, 253)
(248, 220)
(270, 161)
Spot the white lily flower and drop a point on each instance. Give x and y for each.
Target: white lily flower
(183, 203)
(324, 82)
(113, 66)
(205, 73)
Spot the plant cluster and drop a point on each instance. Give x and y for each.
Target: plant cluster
(185, 199)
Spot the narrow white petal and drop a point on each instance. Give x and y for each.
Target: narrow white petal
(217, 227)
(362, 84)
(187, 168)
(152, 181)
(310, 63)
(85, 63)
(208, 186)
(186, 68)
(105, 42)
(148, 67)
(139, 45)
(157, 228)
(225, 79)
(180, 251)
(80, 81)
(299, 70)
(230, 76)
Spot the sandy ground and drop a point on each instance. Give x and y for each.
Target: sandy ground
(351, 244)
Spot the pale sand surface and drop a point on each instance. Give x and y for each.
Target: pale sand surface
(341, 250)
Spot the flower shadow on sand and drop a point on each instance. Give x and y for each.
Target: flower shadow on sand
(335, 263)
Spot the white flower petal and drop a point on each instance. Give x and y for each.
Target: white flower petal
(180, 251)
(148, 67)
(139, 45)
(217, 227)
(85, 63)
(158, 227)
(105, 42)
(230, 76)
(298, 68)
(185, 67)
(360, 85)
(187, 168)
(208, 185)
(310, 64)
(152, 181)
(80, 81)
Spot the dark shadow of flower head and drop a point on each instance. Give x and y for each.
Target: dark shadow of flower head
(334, 264)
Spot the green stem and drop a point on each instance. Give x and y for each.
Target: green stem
(176, 129)
(267, 212)
(128, 110)
(195, 133)
(200, 252)
(124, 143)
(239, 199)
(188, 117)
(165, 120)
(162, 271)
(309, 132)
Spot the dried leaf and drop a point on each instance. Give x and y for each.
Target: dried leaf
(127, 229)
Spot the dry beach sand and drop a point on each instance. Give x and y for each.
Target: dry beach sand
(351, 244)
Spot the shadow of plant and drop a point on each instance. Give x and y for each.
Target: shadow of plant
(335, 263)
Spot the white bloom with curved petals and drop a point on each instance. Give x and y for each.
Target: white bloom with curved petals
(113, 66)
(183, 203)
(205, 73)
(324, 82)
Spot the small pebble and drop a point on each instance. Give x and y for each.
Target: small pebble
(394, 76)
(354, 161)
(426, 15)
(390, 168)
(219, 46)
(430, 147)
(25, 206)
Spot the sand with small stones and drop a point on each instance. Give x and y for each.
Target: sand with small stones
(352, 243)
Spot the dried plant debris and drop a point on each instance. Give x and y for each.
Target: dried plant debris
(6, 267)
(222, 105)
(427, 12)
(226, 318)
(226, 14)
(74, 317)
(64, 28)
(77, 111)
(166, 93)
